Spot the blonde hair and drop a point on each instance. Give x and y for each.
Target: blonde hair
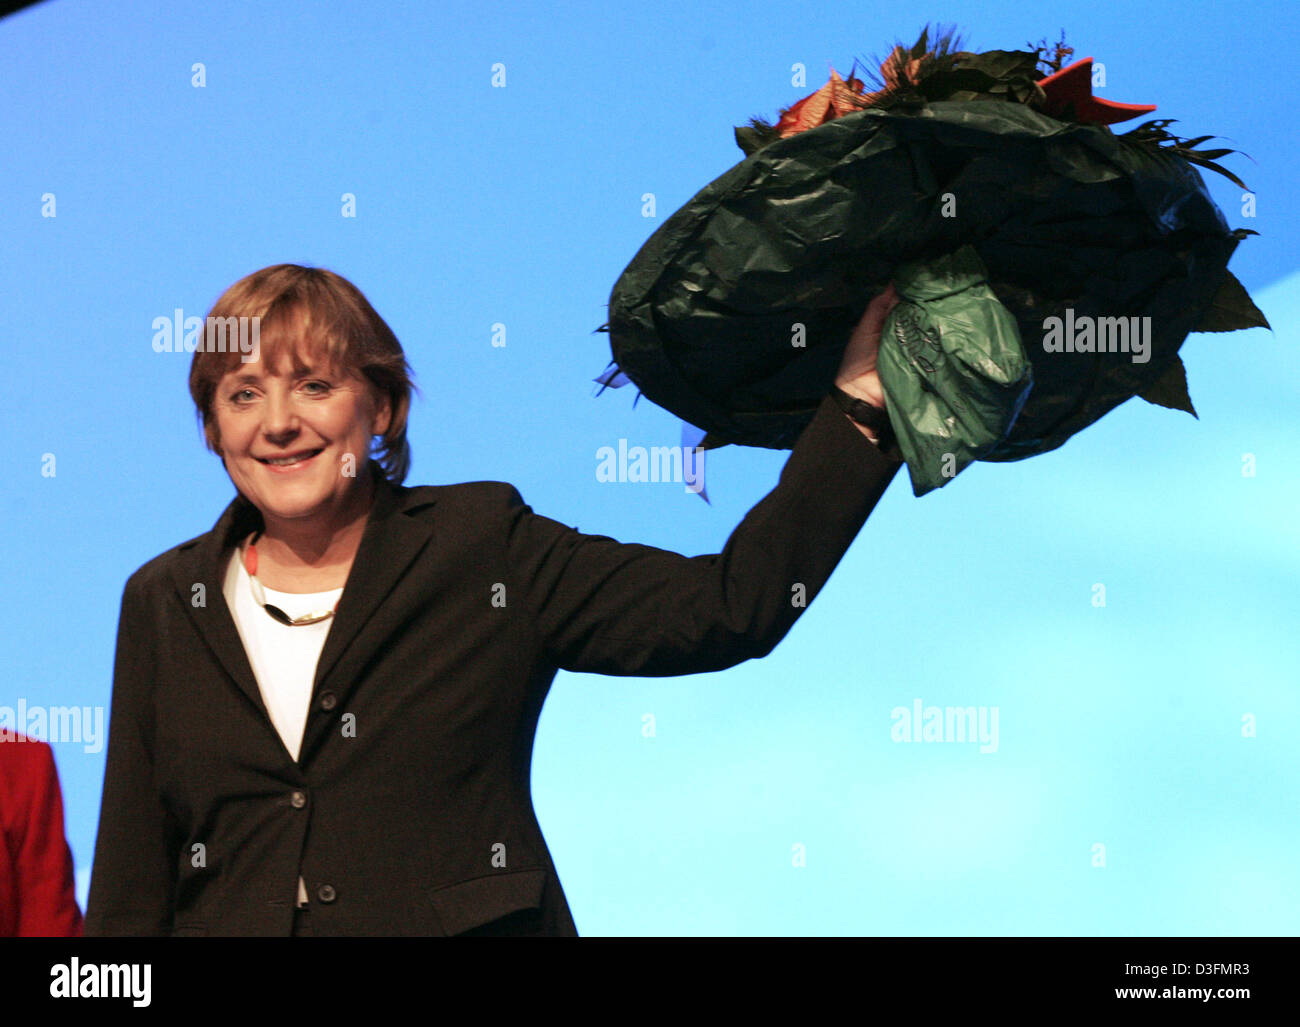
(311, 309)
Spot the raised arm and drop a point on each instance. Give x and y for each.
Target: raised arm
(607, 607)
(613, 608)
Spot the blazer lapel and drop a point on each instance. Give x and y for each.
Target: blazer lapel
(390, 544)
(202, 561)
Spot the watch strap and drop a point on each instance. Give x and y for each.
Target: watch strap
(865, 414)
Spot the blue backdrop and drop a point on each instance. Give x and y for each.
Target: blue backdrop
(1143, 776)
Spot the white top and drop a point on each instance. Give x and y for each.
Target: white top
(283, 658)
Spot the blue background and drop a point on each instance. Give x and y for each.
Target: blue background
(1118, 726)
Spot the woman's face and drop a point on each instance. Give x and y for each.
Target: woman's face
(295, 439)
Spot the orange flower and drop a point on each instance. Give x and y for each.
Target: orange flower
(838, 98)
(897, 67)
(833, 100)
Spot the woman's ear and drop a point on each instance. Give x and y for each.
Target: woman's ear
(383, 413)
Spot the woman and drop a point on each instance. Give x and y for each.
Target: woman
(324, 708)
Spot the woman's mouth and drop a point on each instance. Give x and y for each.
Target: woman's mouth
(290, 462)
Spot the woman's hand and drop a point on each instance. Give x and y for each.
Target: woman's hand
(857, 374)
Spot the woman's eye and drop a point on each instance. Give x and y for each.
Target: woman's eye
(242, 396)
(320, 387)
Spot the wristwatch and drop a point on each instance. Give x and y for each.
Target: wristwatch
(868, 416)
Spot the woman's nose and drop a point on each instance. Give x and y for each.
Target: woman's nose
(279, 417)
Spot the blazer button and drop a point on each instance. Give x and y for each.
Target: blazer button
(326, 893)
(298, 800)
(328, 701)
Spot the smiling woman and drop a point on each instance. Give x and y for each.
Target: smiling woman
(324, 708)
(312, 313)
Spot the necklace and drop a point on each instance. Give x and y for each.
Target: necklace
(259, 596)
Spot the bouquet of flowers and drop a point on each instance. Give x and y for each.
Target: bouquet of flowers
(984, 184)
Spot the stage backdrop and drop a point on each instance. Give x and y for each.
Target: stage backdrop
(484, 173)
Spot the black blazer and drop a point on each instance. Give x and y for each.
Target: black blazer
(409, 810)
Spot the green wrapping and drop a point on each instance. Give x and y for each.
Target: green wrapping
(952, 366)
